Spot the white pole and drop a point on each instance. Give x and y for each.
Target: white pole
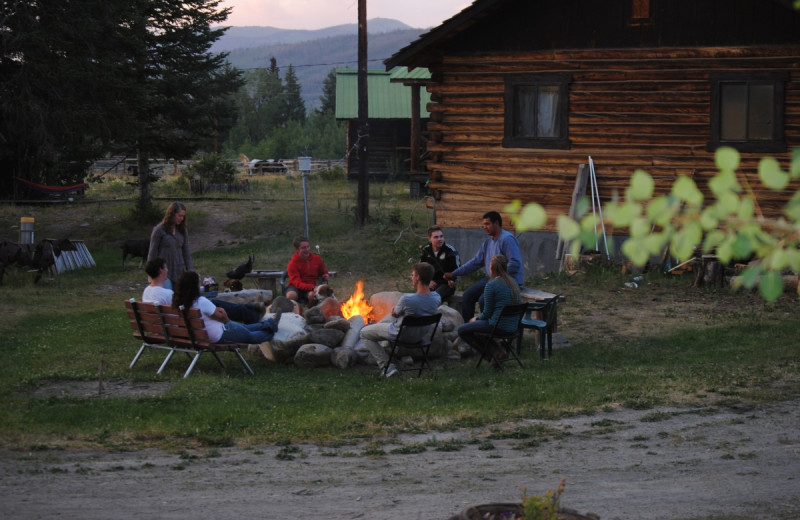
(305, 200)
(596, 191)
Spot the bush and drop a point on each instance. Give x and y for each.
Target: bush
(213, 169)
(336, 173)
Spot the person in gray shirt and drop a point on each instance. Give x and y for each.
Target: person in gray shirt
(423, 302)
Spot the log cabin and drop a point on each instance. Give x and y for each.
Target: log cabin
(397, 119)
(524, 92)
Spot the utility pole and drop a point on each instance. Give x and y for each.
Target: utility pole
(362, 205)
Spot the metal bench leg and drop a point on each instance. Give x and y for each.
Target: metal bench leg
(192, 364)
(166, 360)
(138, 354)
(244, 362)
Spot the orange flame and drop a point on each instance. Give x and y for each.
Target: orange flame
(357, 305)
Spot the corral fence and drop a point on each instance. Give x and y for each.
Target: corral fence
(121, 166)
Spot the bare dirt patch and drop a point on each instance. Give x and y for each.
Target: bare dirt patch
(665, 463)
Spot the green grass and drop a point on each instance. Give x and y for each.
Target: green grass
(702, 348)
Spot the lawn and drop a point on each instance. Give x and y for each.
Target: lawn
(664, 342)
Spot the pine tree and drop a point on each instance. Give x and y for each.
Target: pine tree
(294, 106)
(328, 98)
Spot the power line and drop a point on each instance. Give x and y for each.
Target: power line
(312, 65)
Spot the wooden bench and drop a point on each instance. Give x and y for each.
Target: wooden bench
(164, 327)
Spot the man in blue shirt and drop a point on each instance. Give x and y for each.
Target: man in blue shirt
(499, 242)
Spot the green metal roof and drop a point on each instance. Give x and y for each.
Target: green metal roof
(387, 99)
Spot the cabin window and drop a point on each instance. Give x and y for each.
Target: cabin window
(536, 111)
(747, 112)
(638, 13)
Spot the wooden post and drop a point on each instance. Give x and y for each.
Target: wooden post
(362, 205)
(415, 128)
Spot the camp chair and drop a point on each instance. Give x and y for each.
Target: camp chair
(407, 326)
(544, 326)
(504, 340)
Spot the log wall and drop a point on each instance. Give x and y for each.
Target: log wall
(628, 109)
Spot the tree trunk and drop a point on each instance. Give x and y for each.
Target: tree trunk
(145, 190)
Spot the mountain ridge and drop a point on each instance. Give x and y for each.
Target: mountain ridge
(313, 56)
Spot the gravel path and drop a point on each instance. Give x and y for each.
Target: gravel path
(665, 463)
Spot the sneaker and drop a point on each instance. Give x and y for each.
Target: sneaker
(391, 371)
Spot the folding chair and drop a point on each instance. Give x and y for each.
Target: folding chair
(545, 326)
(415, 327)
(503, 339)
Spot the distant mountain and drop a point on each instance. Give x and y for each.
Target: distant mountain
(252, 36)
(314, 53)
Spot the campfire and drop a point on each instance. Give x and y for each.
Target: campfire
(357, 305)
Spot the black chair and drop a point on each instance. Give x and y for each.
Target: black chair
(545, 326)
(504, 340)
(409, 324)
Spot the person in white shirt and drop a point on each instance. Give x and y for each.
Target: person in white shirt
(157, 274)
(219, 326)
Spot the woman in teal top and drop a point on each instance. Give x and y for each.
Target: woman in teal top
(501, 290)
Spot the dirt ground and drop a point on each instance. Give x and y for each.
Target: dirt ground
(663, 463)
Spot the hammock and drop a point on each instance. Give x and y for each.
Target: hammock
(53, 190)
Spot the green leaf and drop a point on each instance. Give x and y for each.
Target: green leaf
(726, 159)
(771, 286)
(724, 250)
(724, 182)
(654, 243)
(771, 175)
(634, 249)
(514, 207)
(729, 202)
(568, 229)
(793, 259)
(625, 214)
(750, 276)
(794, 168)
(641, 187)
(659, 210)
(713, 239)
(686, 190)
(792, 209)
(708, 219)
(640, 227)
(741, 247)
(777, 260)
(746, 208)
(533, 216)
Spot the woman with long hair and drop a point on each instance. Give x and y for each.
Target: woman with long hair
(170, 241)
(220, 328)
(501, 290)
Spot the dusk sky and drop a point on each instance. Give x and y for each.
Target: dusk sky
(318, 14)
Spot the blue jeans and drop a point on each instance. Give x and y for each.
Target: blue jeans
(473, 295)
(468, 332)
(235, 332)
(246, 313)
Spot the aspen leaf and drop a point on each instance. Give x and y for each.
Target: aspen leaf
(746, 208)
(567, 228)
(685, 189)
(641, 186)
(794, 168)
(634, 250)
(724, 182)
(533, 216)
(726, 159)
(659, 211)
(640, 227)
(771, 175)
(771, 286)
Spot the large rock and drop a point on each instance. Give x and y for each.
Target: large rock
(329, 337)
(338, 323)
(382, 303)
(246, 296)
(344, 357)
(451, 318)
(330, 307)
(313, 355)
(352, 336)
(314, 315)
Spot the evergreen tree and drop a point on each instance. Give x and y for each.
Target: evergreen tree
(63, 84)
(328, 98)
(294, 106)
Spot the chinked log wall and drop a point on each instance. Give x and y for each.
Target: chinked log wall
(628, 109)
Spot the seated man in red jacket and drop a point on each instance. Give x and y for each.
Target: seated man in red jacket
(305, 271)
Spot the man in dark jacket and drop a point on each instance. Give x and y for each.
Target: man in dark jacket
(444, 259)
